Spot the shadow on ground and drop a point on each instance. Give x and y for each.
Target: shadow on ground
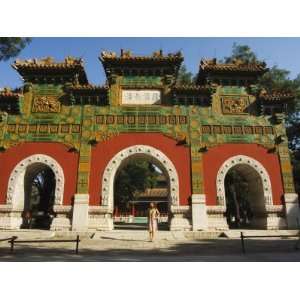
(202, 250)
(138, 226)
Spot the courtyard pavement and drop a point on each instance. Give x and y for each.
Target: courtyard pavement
(135, 246)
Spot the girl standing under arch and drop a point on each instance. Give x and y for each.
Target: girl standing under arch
(153, 215)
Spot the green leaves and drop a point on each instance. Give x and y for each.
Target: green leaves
(12, 46)
(243, 53)
(184, 77)
(134, 178)
(277, 80)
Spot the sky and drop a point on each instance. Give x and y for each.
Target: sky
(283, 52)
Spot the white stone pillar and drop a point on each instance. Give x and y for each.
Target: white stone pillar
(292, 210)
(80, 212)
(199, 214)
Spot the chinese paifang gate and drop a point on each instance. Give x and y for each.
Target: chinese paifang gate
(220, 144)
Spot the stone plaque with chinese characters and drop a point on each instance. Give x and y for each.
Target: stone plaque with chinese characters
(235, 105)
(141, 97)
(46, 104)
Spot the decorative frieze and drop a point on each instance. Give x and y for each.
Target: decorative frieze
(239, 130)
(141, 119)
(44, 128)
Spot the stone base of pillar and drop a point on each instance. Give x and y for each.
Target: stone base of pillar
(100, 218)
(180, 218)
(216, 218)
(105, 224)
(292, 210)
(10, 219)
(62, 221)
(60, 224)
(180, 224)
(80, 212)
(199, 214)
(272, 218)
(217, 223)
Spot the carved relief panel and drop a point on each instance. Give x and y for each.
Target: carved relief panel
(234, 105)
(46, 104)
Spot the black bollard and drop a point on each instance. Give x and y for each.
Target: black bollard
(12, 243)
(77, 244)
(243, 243)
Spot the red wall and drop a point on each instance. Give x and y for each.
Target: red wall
(104, 152)
(215, 157)
(68, 161)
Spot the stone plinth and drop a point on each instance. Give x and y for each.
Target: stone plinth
(292, 210)
(80, 212)
(199, 214)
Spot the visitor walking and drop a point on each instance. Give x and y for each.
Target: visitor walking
(153, 216)
(27, 219)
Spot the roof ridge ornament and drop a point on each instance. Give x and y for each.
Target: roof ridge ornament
(108, 54)
(48, 61)
(127, 54)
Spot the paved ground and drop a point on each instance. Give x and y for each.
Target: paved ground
(134, 246)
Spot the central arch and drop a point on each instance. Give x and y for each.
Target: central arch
(139, 150)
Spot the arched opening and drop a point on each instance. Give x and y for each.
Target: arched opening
(244, 190)
(39, 196)
(147, 154)
(140, 180)
(35, 185)
(245, 202)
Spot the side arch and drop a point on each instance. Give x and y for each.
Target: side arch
(243, 160)
(15, 190)
(113, 165)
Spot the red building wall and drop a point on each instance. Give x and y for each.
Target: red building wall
(216, 156)
(103, 152)
(68, 161)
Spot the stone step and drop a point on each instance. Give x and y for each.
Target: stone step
(27, 234)
(136, 235)
(202, 235)
(236, 233)
(142, 235)
(43, 234)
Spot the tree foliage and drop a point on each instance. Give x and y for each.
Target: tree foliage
(134, 178)
(243, 53)
(12, 46)
(238, 206)
(278, 80)
(43, 188)
(184, 76)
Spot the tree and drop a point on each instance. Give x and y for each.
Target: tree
(238, 206)
(184, 77)
(134, 178)
(243, 53)
(277, 80)
(12, 46)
